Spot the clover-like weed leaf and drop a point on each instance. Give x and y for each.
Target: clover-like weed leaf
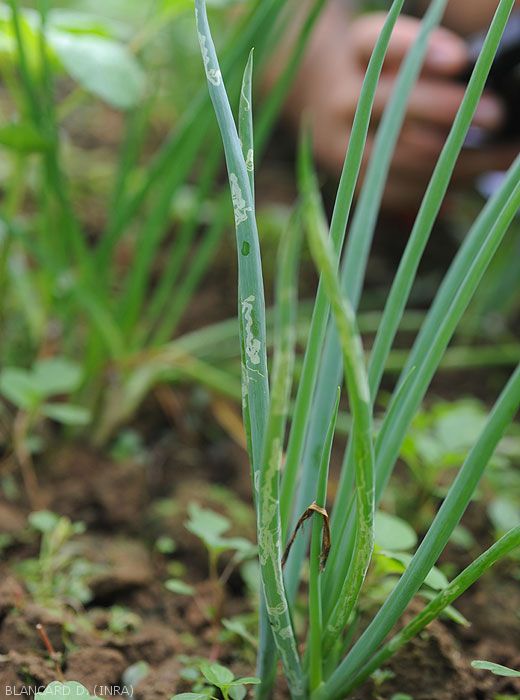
(102, 66)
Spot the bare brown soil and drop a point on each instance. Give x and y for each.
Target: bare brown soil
(118, 502)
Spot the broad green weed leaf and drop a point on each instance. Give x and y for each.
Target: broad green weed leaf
(17, 386)
(216, 674)
(239, 544)
(43, 520)
(247, 680)
(101, 66)
(56, 375)
(504, 513)
(66, 413)
(435, 579)
(497, 669)
(23, 137)
(237, 692)
(190, 696)
(206, 523)
(392, 533)
(459, 426)
(236, 626)
(449, 611)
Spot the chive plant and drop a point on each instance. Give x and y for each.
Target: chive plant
(332, 667)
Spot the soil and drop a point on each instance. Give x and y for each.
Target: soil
(126, 506)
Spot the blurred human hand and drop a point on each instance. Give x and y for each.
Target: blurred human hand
(328, 86)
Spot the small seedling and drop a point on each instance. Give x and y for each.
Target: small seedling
(210, 528)
(394, 542)
(32, 390)
(122, 620)
(59, 573)
(222, 678)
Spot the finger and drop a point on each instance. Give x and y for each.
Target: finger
(473, 163)
(436, 103)
(402, 195)
(447, 53)
(406, 166)
(330, 140)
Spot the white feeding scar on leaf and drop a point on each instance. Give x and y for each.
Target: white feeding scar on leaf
(239, 203)
(245, 101)
(252, 344)
(213, 74)
(250, 160)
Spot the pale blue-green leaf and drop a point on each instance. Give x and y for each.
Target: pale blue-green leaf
(206, 523)
(66, 413)
(17, 386)
(393, 533)
(237, 692)
(56, 375)
(43, 520)
(435, 579)
(135, 673)
(101, 66)
(247, 680)
(504, 513)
